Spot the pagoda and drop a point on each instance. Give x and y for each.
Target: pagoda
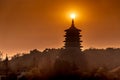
(72, 37)
(71, 58)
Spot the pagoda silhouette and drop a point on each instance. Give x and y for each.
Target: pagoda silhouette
(72, 37)
(71, 58)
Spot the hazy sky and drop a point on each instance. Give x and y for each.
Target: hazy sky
(30, 24)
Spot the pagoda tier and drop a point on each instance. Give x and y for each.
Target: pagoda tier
(72, 37)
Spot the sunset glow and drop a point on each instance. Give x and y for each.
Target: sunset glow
(59, 39)
(29, 24)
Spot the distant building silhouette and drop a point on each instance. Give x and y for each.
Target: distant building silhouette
(72, 37)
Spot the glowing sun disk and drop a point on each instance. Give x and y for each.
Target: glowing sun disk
(72, 16)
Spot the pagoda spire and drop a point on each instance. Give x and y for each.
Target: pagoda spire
(73, 17)
(73, 25)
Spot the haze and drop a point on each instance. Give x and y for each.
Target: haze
(30, 24)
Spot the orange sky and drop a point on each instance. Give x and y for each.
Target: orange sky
(30, 24)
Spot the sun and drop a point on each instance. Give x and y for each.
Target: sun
(72, 16)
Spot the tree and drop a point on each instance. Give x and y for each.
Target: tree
(16, 56)
(1, 56)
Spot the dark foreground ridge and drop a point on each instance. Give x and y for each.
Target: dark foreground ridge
(94, 75)
(56, 64)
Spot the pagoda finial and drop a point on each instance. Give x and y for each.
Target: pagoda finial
(72, 22)
(73, 17)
